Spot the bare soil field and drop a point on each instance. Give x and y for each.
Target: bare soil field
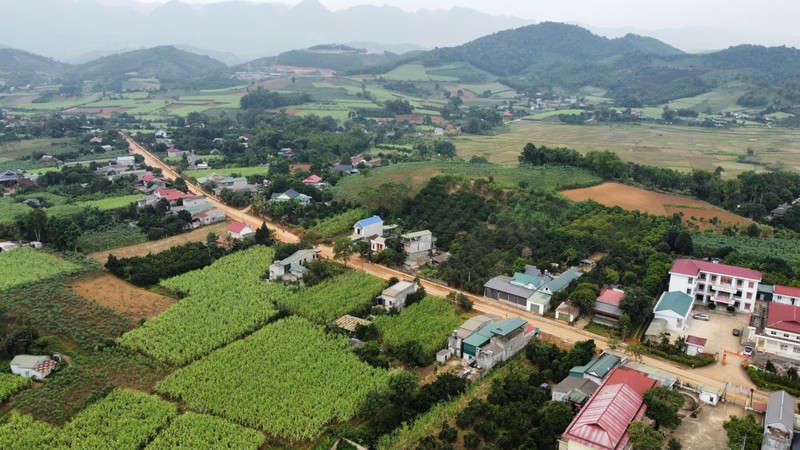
(197, 235)
(696, 213)
(123, 297)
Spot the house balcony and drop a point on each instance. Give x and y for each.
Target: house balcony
(728, 288)
(725, 300)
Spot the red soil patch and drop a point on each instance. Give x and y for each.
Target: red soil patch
(295, 167)
(633, 198)
(111, 292)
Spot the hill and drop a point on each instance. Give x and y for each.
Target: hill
(164, 63)
(633, 70)
(18, 61)
(340, 58)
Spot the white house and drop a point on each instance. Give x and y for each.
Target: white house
(209, 216)
(125, 160)
(695, 345)
(779, 332)
(292, 265)
(786, 295)
(676, 309)
(240, 230)
(708, 282)
(395, 295)
(779, 421)
(417, 242)
(32, 366)
(372, 226)
(291, 195)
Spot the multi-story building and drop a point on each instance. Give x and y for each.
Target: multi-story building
(786, 295)
(777, 332)
(709, 282)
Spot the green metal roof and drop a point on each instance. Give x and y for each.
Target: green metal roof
(504, 327)
(563, 280)
(675, 301)
(477, 340)
(524, 278)
(540, 298)
(602, 365)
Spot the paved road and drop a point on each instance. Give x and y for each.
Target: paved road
(712, 378)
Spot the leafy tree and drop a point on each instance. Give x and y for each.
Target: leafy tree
(444, 148)
(584, 299)
(743, 433)
(684, 244)
(663, 405)
(343, 249)
(645, 438)
(472, 440)
(636, 302)
(34, 225)
(623, 325)
(264, 235)
(674, 444)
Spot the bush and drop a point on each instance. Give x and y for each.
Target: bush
(471, 441)
(448, 433)
(773, 381)
(691, 361)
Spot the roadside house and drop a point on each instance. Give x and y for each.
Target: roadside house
(779, 332)
(32, 366)
(395, 295)
(240, 230)
(676, 309)
(292, 267)
(495, 342)
(786, 295)
(372, 226)
(567, 311)
(695, 345)
(598, 368)
(456, 340)
(707, 281)
(606, 307)
(291, 195)
(573, 389)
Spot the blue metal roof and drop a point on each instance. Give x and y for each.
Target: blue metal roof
(369, 221)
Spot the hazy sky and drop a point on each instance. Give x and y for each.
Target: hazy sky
(773, 17)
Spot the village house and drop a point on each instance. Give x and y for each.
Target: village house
(240, 230)
(777, 332)
(201, 210)
(125, 161)
(161, 133)
(598, 368)
(602, 424)
(456, 340)
(171, 195)
(96, 140)
(32, 366)
(568, 312)
(531, 290)
(364, 228)
(676, 309)
(573, 390)
(292, 267)
(786, 295)
(173, 152)
(779, 421)
(344, 169)
(707, 281)
(606, 307)
(286, 152)
(9, 178)
(496, 342)
(314, 180)
(417, 242)
(395, 295)
(291, 195)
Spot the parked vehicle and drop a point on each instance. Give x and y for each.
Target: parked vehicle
(702, 317)
(736, 332)
(748, 351)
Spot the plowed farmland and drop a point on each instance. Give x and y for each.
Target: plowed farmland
(111, 292)
(696, 213)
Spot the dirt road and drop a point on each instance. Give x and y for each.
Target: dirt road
(711, 378)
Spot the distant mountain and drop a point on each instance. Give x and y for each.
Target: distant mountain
(341, 58)
(166, 63)
(246, 29)
(18, 61)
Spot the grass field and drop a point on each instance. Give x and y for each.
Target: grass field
(226, 172)
(25, 148)
(406, 179)
(103, 204)
(678, 147)
(24, 265)
(555, 113)
(414, 72)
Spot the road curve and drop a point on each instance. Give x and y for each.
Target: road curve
(482, 304)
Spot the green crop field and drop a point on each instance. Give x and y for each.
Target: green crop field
(751, 247)
(121, 235)
(227, 172)
(9, 210)
(195, 431)
(290, 378)
(26, 148)
(103, 204)
(339, 224)
(350, 293)
(659, 145)
(227, 300)
(555, 113)
(22, 432)
(24, 265)
(11, 383)
(414, 72)
(405, 180)
(428, 323)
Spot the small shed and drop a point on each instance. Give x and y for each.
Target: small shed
(350, 323)
(567, 311)
(32, 366)
(443, 355)
(695, 345)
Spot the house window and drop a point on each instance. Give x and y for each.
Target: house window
(773, 333)
(796, 349)
(691, 280)
(749, 295)
(688, 291)
(750, 284)
(713, 278)
(786, 335)
(784, 347)
(739, 282)
(702, 276)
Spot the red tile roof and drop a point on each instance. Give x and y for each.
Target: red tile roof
(237, 227)
(787, 291)
(698, 341)
(783, 317)
(171, 194)
(603, 422)
(693, 266)
(610, 296)
(312, 179)
(148, 177)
